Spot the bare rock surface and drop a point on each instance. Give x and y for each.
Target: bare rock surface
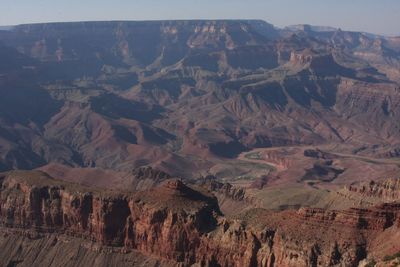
(177, 223)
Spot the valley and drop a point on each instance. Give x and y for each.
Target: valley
(198, 143)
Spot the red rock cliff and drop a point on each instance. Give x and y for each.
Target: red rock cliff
(178, 223)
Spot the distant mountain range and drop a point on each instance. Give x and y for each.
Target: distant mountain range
(122, 94)
(6, 28)
(307, 27)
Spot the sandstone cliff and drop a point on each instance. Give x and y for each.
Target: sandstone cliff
(177, 223)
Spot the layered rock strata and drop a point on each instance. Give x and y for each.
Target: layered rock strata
(178, 223)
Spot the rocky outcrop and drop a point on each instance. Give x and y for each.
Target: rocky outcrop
(301, 57)
(40, 202)
(231, 199)
(278, 158)
(28, 248)
(212, 184)
(377, 218)
(145, 178)
(387, 190)
(150, 173)
(178, 223)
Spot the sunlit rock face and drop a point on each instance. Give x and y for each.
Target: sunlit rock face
(179, 224)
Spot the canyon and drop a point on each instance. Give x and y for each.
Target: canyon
(121, 95)
(177, 224)
(198, 143)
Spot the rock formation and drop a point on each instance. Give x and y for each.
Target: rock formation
(183, 225)
(116, 109)
(387, 190)
(122, 95)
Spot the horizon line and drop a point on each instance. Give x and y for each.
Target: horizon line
(197, 19)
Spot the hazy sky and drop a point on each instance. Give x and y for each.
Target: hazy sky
(377, 16)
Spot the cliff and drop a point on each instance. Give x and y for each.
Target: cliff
(184, 225)
(387, 190)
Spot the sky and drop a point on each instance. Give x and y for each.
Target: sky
(375, 16)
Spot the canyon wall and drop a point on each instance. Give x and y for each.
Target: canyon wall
(184, 225)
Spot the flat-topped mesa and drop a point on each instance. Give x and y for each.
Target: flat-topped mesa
(226, 34)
